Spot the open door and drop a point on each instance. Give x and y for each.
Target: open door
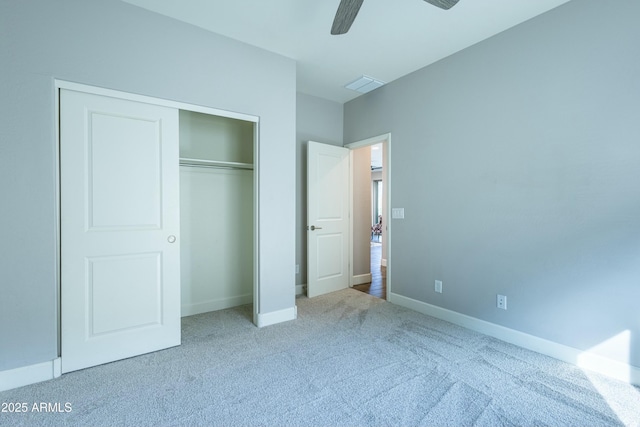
(120, 253)
(327, 218)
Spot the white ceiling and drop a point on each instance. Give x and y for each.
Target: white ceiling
(389, 39)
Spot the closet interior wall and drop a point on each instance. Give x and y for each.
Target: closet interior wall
(216, 212)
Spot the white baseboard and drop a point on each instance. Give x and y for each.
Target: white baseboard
(383, 262)
(583, 359)
(267, 319)
(19, 377)
(215, 304)
(300, 289)
(360, 279)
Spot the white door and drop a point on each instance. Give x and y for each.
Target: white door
(327, 218)
(120, 253)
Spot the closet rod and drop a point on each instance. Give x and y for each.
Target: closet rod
(214, 164)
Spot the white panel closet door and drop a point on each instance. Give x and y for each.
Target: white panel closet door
(120, 253)
(327, 218)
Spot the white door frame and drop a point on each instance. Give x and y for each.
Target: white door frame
(385, 139)
(61, 84)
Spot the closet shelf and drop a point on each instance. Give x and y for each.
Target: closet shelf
(214, 164)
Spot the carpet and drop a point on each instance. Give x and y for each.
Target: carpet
(348, 360)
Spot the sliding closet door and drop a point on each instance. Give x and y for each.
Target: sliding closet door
(120, 253)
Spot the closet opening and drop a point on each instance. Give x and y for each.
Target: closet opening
(217, 224)
(134, 254)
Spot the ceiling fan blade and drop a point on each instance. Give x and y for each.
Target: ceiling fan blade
(443, 4)
(346, 14)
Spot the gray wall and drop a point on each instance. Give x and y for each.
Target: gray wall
(317, 120)
(518, 163)
(112, 44)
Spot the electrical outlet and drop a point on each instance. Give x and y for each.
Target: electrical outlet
(438, 286)
(502, 302)
(297, 268)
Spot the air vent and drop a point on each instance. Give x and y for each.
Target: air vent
(364, 84)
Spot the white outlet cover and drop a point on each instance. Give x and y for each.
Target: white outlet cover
(397, 213)
(502, 302)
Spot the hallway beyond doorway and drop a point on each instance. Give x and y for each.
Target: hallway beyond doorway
(378, 285)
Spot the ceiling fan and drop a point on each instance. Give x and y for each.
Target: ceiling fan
(348, 9)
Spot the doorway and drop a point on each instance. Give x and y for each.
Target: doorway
(370, 239)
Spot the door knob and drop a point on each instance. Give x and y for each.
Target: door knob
(171, 239)
(313, 227)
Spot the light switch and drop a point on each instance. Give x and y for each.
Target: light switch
(397, 213)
